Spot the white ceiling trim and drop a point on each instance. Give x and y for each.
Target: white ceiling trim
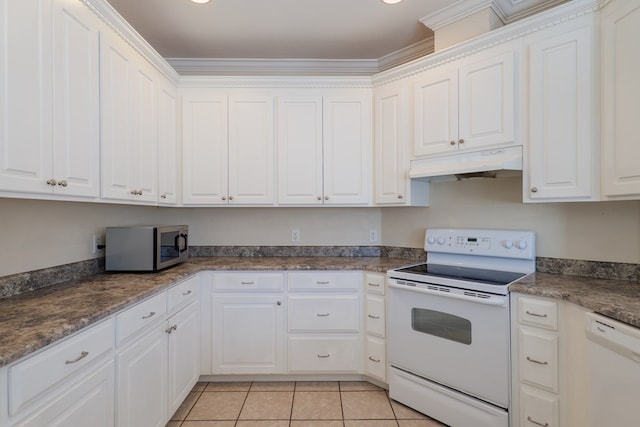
(457, 11)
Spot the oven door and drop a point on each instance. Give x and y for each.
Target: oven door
(457, 340)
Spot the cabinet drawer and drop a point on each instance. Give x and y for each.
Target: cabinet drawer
(375, 317)
(324, 354)
(183, 293)
(539, 358)
(538, 312)
(374, 283)
(538, 408)
(248, 281)
(337, 313)
(139, 316)
(376, 361)
(36, 374)
(325, 280)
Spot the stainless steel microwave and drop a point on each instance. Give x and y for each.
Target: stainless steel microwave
(145, 248)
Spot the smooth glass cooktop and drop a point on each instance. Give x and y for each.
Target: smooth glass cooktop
(479, 275)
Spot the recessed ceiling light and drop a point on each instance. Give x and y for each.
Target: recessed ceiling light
(201, 1)
(388, 1)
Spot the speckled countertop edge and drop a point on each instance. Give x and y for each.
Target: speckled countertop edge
(33, 320)
(618, 299)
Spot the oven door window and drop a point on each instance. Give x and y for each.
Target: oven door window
(443, 325)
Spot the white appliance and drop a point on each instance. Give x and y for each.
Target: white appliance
(614, 372)
(449, 325)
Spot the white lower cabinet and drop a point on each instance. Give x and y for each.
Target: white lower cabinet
(375, 320)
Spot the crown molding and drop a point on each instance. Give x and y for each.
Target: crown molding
(279, 82)
(409, 53)
(457, 11)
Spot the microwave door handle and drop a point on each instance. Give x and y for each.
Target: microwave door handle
(186, 242)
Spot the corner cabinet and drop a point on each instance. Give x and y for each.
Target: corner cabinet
(469, 104)
(228, 148)
(564, 141)
(49, 99)
(393, 150)
(324, 149)
(621, 100)
(129, 123)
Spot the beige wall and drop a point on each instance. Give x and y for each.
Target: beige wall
(38, 234)
(603, 231)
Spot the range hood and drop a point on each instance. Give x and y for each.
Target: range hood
(473, 163)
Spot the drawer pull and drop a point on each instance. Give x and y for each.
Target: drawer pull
(375, 285)
(532, 421)
(322, 314)
(187, 293)
(370, 316)
(246, 283)
(535, 314)
(326, 282)
(171, 329)
(323, 356)
(77, 359)
(151, 314)
(537, 361)
(374, 360)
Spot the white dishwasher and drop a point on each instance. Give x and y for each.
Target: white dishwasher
(614, 372)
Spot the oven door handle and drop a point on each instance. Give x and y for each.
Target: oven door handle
(497, 300)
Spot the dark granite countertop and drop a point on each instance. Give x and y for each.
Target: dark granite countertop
(32, 320)
(617, 299)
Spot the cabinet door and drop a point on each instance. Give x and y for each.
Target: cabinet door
(563, 140)
(25, 96)
(88, 403)
(117, 83)
(391, 157)
(184, 354)
(76, 107)
(299, 143)
(141, 372)
(251, 150)
(347, 149)
(167, 144)
(621, 99)
(487, 101)
(205, 145)
(248, 334)
(436, 112)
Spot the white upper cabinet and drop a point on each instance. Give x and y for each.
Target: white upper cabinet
(392, 150)
(563, 153)
(49, 103)
(228, 148)
(167, 143)
(129, 123)
(324, 149)
(621, 100)
(467, 104)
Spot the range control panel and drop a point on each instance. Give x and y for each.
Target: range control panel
(497, 243)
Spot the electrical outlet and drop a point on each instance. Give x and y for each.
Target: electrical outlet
(98, 242)
(295, 235)
(373, 236)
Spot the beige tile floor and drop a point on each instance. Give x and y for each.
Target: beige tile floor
(294, 404)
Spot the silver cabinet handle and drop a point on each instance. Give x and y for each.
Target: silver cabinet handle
(531, 420)
(171, 329)
(326, 197)
(536, 361)
(319, 198)
(62, 183)
(230, 197)
(322, 314)
(52, 182)
(375, 285)
(461, 141)
(370, 316)
(400, 196)
(325, 282)
(151, 314)
(279, 303)
(246, 283)
(534, 189)
(530, 313)
(323, 356)
(452, 142)
(163, 196)
(77, 359)
(187, 293)
(224, 198)
(374, 360)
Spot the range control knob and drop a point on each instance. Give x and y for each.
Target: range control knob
(441, 240)
(521, 244)
(431, 240)
(508, 244)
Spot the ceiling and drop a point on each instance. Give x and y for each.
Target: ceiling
(286, 30)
